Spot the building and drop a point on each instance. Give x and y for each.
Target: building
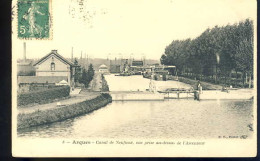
(159, 72)
(137, 67)
(50, 71)
(114, 68)
(103, 69)
(124, 67)
(25, 68)
(53, 64)
(137, 63)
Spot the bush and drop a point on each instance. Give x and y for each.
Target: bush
(43, 96)
(164, 77)
(105, 87)
(155, 77)
(37, 118)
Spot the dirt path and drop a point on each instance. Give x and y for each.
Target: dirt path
(72, 100)
(96, 83)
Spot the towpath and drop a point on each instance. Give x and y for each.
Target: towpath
(96, 83)
(84, 95)
(205, 85)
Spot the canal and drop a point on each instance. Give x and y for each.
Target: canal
(183, 118)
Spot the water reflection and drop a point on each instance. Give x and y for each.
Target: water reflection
(162, 119)
(137, 82)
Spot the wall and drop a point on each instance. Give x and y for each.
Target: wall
(44, 69)
(114, 68)
(61, 68)
(103, 70)
(25, 69)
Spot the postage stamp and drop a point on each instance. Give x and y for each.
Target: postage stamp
(34, 19)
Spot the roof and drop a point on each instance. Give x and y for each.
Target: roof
(103, 66)
(41, 79)
(63, 82)
(54, 52)
(24, 63)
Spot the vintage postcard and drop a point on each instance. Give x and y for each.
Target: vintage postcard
(134, 78)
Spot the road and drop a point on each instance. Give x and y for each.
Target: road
(96, 83)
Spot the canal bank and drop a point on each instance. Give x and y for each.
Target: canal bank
(41, 117)
(172, 118)
(205, 85)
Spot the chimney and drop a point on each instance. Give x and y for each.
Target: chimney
(81, 56)
(72, 54)
(54, 51)
(84, 60)
(24, 51)
(81, 59)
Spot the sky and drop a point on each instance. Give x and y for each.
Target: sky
(130, 28)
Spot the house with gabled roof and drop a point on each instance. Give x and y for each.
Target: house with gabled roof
(54, 65)
(50, 71)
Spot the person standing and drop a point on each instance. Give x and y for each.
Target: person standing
(199, 87)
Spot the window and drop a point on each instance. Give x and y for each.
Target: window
(52, 66)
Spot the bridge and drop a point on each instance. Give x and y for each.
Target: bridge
(152, 96)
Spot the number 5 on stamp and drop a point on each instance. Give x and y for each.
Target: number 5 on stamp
(34, 19)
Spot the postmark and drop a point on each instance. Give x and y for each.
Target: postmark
(34, 19)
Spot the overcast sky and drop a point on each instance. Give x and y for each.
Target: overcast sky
(138, 27)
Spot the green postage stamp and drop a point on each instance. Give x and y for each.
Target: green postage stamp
(34, 19)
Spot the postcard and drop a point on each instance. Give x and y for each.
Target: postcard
(134, 78)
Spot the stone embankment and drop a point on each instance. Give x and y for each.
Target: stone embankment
(26, 120)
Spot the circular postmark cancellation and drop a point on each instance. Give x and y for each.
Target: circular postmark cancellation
(34, 19)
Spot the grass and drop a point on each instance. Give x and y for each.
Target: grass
(205, 85)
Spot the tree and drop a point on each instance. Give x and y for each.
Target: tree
(88, 76)
(77, 76)
(244, 51)
(84, 77)
(91, 71)
(215, 53)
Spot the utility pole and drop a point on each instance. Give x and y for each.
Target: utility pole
(81, 58)
(87, 63)
(81, 55)
(84, 60)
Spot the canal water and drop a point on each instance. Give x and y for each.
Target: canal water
(183, 118)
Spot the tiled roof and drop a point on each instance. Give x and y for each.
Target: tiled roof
(41, 79)
(54, 52)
